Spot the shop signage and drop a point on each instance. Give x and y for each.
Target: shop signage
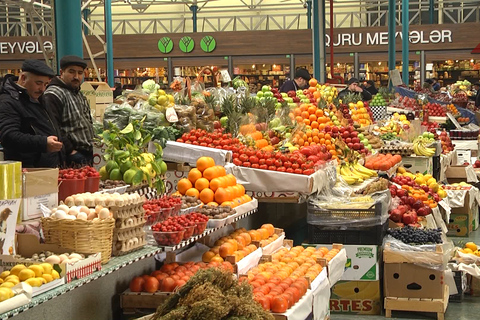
(165, 45)
(186, 44)
(381, 38)
(208, 44)
(21, 47)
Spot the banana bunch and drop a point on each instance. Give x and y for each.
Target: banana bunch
(420, 147)
(355, 173)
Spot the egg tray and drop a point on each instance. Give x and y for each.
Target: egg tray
(128, 211)
(128, 234)
(405, 151)
(128, 223)
(124, 247)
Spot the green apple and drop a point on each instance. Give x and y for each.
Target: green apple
(266, 88)
(292, 105)
(259, 94)
(284, 95)
(288, 100)
(361, 136)
(268, 94)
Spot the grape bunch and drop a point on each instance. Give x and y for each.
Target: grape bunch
(414, 235)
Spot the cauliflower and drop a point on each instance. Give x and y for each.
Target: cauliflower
(150, 85)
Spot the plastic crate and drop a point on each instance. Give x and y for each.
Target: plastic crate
(372, 235)
(316, 214)
(460, 282)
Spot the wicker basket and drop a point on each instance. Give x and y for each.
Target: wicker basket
(81, 236)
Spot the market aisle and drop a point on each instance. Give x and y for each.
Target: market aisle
(468, 309)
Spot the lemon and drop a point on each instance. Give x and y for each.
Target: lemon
(16, 269)
(26, 274)
(55, 274)
(467, 250)
(4, 274)
(7, 284)
(47, 268)
(470, 245)
(34, 282)
(5, 293)
(47, 277)
(13, 279)
(38, 269)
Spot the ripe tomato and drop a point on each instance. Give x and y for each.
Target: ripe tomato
(279, 304)
(243, 157)
(263, 167)
(253, 159)
(246, 164)
(278, 163)
(255, 166)
(269, 162)
(136, 285)
(151, 285)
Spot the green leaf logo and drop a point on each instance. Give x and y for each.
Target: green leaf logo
(186, 44)
(165, 45)
(208, 44)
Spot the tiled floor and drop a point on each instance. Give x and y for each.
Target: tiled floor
(468, 309)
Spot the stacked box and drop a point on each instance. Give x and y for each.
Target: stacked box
(463, 220)
(128, 234)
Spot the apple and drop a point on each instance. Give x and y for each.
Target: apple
(259, 94)
(266, 88)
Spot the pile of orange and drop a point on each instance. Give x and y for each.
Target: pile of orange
(285, 277)
(314, 137)
(420, 194)
(239, 243)
(452, 109)
(360, 114)
(382, 162)
(212, 185)
(311, 116)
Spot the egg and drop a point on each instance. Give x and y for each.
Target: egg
(63, 207)
(85, 209)
(100, 200)
(90, 201)
(70, 217)
(53, 259)
(98, 208)
(72, 260)
(69, 201)
(104, 213)
(62, 257)
(135, 241)
(119, 202)
(73, 211)
(91, 215)
(79, 201)
(75, 256)
(129, 222)
(60, 214)
(82, 216)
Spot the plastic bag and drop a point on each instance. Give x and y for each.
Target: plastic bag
(425, 255)
(204, 115)
(186, 118)
(118, 115)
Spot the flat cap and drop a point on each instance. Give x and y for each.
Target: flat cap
(353, 80)
(476, 84)
(37, 67)
(72, 61)
(302, 73)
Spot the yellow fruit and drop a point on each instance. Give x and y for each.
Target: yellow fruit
(7, 284)
(470, 245)
(26, 274)
(34, 282)
(4, 274)
(37, 269)
(430, 180)
(47, 277)
(420, 180)
(434, 186)
(467, 250)
(47, 268)
(41, 279)
(16, 269)
(55, 274)
(401, 170)
(1, 280)
(5, 293)
(13, 279)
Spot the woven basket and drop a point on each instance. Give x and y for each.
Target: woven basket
(81, 236)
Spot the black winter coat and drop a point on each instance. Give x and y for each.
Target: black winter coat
(24, 127)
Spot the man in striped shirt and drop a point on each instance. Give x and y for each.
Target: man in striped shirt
(72, 110)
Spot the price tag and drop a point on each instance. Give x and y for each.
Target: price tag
(225, 76)
(171, 115)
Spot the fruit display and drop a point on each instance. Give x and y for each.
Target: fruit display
(421, 143)
(458, 186)
(111, 184)
(189, 202)
(378, 101)
(406, 103)
(34, 275)
(157, 210)
(453, 110)
(80, 173)
(175, 229)
(211, 184)
(370, 139)
(404, 177)
(212, 294)
(382, 162)
(281, 283)
(463, 120)
(396, 147)
(436, 110)
(416, 236)
(447, 145)
(216, 139)
(239, 244)
(470, 248)
(50, 257)
(354, 173)
(374, 186)
(216, 212)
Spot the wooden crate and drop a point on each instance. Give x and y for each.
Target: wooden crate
(130, 301)
(438, 306)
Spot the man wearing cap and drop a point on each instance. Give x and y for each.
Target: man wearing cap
(354, 88)
(302, 76)
(370, 87)
(28, 130)
(476, 97)
(71, 110)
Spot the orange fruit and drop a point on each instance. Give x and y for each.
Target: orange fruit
(222, 195)
(207, 256)
(213, 204)
(204, 163)
(201, 184)
(192, 192)
(194, 175)
(206, 195)
(183, 185)
(215, 184)
(231, 179)
(221, 171)
(269, 227)
(211, 173)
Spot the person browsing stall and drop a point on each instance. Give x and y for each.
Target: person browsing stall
(28, 130)
(72, 110)
(300, 82)
(353, 87)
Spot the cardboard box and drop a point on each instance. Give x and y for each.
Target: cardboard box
(99, 98)
(28, 244)
(471, 213)
(416, 164)
(356, 297)
(408, 280)
(460, 225)
(363, 262)
(40, 186)
(463, 156)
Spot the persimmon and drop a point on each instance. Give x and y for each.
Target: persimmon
(279, 304)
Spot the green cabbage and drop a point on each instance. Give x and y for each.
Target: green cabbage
(150, 85)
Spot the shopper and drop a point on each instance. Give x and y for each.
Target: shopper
(435, 86)
(353, 87)
(28, 130)
(72, 110)
(370, 87)
(300, 82)
(476, 97)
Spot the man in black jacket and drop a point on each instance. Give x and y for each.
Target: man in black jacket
(353, 87)
(71, 110)
(300, 82)
(28, 131)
